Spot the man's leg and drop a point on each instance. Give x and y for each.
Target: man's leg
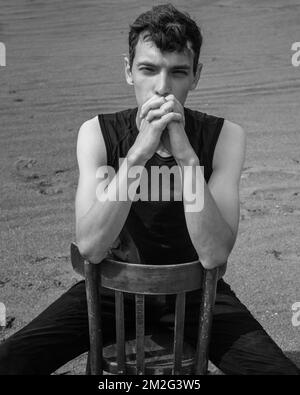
(239, 344)
(57, 335)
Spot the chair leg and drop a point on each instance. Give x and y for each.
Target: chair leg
(88, 365)
(140, 333)
(210, 278)
(179, 332)
(94, 316)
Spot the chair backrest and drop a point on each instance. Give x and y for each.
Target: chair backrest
(144, 280)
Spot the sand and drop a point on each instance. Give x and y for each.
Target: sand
(65, 65)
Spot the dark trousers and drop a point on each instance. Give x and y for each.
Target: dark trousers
(239, 345)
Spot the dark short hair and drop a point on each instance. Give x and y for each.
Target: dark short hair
(168, 28)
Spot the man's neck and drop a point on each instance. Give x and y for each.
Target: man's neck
(162, 151)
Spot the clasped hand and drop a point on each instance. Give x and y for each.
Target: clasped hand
(174, 137)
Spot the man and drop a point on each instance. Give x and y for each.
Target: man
(164, 47)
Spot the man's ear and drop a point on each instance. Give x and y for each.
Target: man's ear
(197, 76)
(128, 74)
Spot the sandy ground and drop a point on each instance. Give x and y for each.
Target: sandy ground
(65, 65)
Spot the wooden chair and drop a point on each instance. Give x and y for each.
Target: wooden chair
(157, 353)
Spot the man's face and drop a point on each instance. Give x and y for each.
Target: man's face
(161, 73)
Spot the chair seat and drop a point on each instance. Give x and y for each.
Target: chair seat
(155, 349)
(159, 355)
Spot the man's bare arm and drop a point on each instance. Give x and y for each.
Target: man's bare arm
(98, 223)
(99, 220)
(213, 230)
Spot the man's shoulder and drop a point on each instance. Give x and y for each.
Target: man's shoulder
(90, 142)
(231, 144)
(90, 128)
(90, 123)
(232, 131)
(100, 134)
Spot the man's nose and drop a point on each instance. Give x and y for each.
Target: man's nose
(163, 86)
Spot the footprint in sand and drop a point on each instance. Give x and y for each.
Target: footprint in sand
(275, 253)
(257, 211)
(56, 183)
(270, 190)
(23, 163)
(284, 255)
(275, 192)
(47, 188)
(4, 281)
(263, 173)
(59, 182)
(34, 259)
(25, 169)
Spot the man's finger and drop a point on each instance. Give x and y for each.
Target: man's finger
(154, 102)
(171, 97)
(157, 113)
(178, 107)
(170, 117)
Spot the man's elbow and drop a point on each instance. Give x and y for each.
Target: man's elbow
(90, 251)
(219, 256)
(210, 264)
(217, 259)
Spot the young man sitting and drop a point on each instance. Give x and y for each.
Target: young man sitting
(208, 151)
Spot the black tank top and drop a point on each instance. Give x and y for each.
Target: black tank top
(158, 229)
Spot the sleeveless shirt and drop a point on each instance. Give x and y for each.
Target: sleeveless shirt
(158, 228)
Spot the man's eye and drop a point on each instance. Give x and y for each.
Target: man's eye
(147, 70)
(180, 72)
